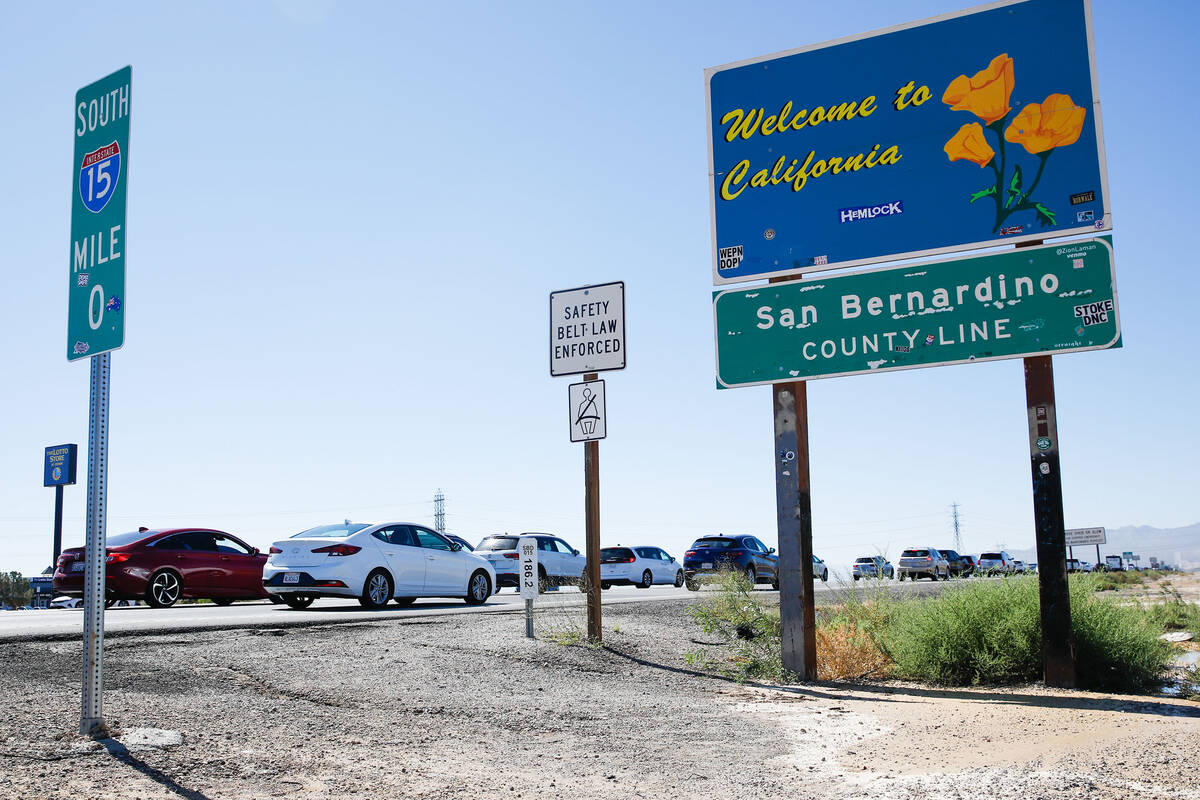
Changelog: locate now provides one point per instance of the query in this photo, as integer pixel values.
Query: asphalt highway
(67, 623)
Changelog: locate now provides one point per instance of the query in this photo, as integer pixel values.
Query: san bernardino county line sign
(960, 132)
(99, 178)
(1029, 301)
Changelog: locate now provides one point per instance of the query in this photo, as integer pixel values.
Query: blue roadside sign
(964, 131)
(60, 465)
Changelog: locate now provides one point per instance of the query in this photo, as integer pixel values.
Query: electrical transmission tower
(957, 531)
(439, 512)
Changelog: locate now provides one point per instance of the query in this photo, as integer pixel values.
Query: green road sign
(1029, 301)
(99, 177)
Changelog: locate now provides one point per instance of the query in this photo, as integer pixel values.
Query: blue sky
(344, 222)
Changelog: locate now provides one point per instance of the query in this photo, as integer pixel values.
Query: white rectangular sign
(1077, 537)
(528, 550)
(588, 420)
(587, 329)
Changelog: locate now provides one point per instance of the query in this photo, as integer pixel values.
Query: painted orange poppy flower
(986, 94)
(970, 145)
(1055, 122)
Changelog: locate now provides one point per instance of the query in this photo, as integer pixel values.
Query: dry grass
(847, 652)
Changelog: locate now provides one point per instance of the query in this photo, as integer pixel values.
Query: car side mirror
(576, 552)
(455, 546)
(254, 551)
(770, 550)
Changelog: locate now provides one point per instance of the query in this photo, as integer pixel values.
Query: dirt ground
(465, 706)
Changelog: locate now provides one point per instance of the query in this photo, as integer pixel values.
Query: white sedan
(638, 566)
(375, 563)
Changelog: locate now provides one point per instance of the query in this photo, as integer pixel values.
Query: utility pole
(957, 531)
(439, 512)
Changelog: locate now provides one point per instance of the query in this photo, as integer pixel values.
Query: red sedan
(162, 566)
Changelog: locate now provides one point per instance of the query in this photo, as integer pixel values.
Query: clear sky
(344, 221)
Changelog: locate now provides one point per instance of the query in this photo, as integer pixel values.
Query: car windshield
(720, 544)
(331, 531)
(915, 554)
(122, 539)
(991, 556)
(615, 555)
(498, 543)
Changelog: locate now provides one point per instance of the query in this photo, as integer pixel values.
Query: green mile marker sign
(1024, 302)
(99, 177)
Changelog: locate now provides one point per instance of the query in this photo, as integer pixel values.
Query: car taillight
(735, 552)
(274, 550)
(511, 555)
(629, 560)
(117, 558)
(928, 558)
(338, 549)
(689, 554)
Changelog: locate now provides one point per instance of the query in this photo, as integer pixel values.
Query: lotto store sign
(100, 175)
(959, 132)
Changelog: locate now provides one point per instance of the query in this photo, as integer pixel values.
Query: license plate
(706, 565)
(78, 566)
(291, 577)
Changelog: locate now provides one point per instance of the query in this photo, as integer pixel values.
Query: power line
(957, 531)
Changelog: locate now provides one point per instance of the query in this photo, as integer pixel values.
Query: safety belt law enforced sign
(99, 177)
(587, 329)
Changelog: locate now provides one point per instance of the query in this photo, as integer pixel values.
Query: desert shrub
(749, 627)
(990, 633)
(1173, 613)
(1116, 646)
(977, 632)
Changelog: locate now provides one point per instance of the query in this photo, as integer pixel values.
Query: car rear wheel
(647, 580)
(679, 579)
(298, 601)
(751, 577)
(543, 580)
(109, 603)
(164, 589)
(479, 588)
(377, 590)
(692, 586)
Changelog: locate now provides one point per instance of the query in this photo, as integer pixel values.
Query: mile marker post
(96, 304)
(527, 549)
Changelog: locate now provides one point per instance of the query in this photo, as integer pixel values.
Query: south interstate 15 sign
(99, 178)
(960, 132)
(1023, 302)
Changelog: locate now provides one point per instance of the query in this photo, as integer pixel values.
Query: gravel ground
(463, 706)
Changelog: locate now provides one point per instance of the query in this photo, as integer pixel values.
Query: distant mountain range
(1179, 547)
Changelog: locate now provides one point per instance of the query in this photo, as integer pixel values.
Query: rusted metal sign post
(587, 336)
(794, 511)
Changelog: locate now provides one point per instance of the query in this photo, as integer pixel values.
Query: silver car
(925, 562)
(997, 563)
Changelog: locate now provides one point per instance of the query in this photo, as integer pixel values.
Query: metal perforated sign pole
(793, 506)
(92, 719)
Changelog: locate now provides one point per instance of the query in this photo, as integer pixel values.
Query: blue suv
(709, 555)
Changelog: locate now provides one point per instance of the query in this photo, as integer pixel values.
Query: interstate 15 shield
(98, 176)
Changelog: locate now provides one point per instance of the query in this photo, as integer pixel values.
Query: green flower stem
(1043, 158)
(998, 127)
